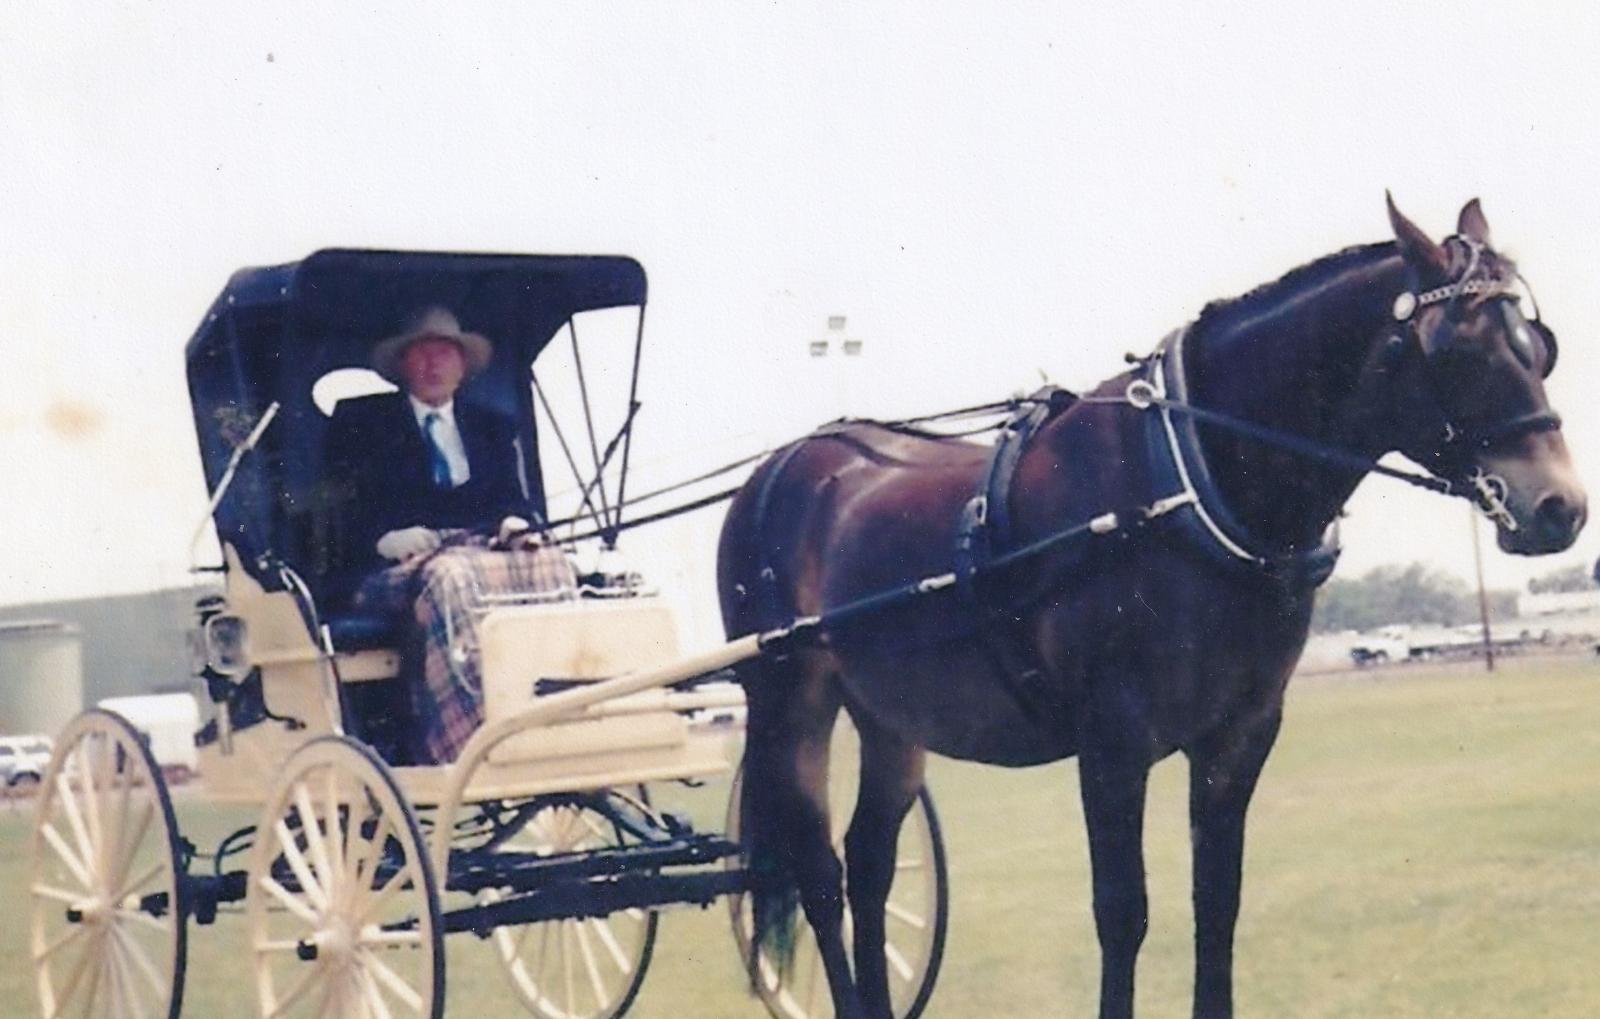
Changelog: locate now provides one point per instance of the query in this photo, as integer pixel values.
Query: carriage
(541, 839)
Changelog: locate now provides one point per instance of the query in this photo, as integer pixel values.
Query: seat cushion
(357, 631)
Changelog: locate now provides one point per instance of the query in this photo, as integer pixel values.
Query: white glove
(516, 532)
(407, 542)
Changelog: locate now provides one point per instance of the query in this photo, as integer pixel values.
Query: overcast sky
(989, 192)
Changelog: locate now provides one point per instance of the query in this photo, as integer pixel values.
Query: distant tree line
(1577, 577)
(1415, 593)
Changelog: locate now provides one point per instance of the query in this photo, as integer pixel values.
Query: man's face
(433, 370)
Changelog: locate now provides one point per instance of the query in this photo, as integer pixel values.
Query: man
(434, 519)
(419, 461)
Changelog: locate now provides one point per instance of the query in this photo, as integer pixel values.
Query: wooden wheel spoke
(139, 916)
(602, 931)
(338, 833)
(141, 961)
(122, 851)
(371, 853)
(58, 894)
(298, 989)
(898, 962)
(129, 850)
(62, 940)
(146, 876)
(374, 904)
(905, 916)
(373, 995)
(377, 937)
(91, 799)
(595, 828)
(66, 855)
(393, 981)
(74, 979)
(288, 899)
(69, 805)
(564, 953)
(297, 864)
(586, 951)
(316, 842)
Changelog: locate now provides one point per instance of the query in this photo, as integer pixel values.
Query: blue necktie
(438, 466)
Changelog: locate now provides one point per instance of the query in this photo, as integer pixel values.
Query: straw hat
(433, 323)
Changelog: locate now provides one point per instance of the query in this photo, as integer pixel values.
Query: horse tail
(774, 892)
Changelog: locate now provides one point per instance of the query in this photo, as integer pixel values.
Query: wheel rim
(342, 906)
(108, 933)
(588, 968)
(917, 909)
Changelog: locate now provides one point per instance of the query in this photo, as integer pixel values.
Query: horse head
(1469, 366)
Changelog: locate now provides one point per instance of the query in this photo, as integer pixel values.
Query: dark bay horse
(1175, 629)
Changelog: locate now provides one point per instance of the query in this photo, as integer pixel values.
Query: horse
(1202, 482)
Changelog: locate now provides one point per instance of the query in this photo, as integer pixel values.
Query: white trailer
(168, 722)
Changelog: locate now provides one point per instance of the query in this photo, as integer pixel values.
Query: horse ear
(1472, 224)
(1430, 260)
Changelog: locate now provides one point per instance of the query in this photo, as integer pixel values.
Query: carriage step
(575, 900)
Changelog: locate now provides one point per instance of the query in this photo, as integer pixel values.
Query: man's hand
(407, 542)
(517, 533)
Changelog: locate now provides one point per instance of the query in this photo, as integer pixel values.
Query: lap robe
(445, 592)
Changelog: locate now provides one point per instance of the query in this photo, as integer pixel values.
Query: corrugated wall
(132, 643)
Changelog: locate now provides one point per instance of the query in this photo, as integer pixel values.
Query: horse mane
(1218, 314)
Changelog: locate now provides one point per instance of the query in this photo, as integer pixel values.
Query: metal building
(41, 675)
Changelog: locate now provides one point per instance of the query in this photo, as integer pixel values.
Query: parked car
(1386, 644)
(23, 760)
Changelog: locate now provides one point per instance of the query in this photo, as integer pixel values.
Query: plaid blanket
(446, 592)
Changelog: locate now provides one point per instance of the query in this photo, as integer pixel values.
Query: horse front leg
(1223, 770)
(1113, 784)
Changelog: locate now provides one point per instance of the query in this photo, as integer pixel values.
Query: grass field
(1425, 843)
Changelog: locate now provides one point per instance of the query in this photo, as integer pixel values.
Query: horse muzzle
(1539, 518)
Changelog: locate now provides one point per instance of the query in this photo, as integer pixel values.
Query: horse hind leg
(891, 776)
(784, 817)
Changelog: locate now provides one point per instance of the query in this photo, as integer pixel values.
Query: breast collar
(1195, 505)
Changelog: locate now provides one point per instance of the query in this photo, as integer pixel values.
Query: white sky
(988, 191)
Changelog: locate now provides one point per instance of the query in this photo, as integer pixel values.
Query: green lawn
(1425, 843)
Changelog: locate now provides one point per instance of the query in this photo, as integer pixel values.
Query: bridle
(1455, 445)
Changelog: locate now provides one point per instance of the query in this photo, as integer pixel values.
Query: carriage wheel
(587, 968)
(342, 904)
(918, 908)
(109, 934)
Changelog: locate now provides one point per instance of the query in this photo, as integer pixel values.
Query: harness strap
(1178, 466)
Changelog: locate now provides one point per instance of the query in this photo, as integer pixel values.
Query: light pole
(1483, 595)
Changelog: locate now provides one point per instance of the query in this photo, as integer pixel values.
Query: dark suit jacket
(377, 462)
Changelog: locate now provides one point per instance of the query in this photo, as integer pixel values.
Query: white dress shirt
(447, 435)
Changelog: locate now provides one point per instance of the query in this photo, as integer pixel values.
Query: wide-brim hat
(433, 323)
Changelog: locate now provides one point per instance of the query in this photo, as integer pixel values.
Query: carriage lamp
(227, 644)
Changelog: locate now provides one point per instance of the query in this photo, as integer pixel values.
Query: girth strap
(985, 532)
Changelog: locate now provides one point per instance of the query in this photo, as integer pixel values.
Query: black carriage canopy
(275, 331)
